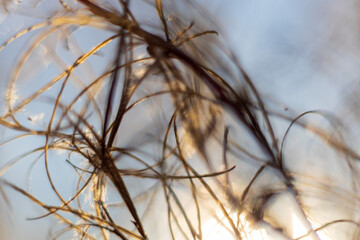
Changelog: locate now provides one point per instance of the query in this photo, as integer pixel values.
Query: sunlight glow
(298, 229)
(219, 228)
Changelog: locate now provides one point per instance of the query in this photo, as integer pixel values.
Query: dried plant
(163, 128)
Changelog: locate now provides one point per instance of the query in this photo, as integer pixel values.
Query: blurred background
(301, 55)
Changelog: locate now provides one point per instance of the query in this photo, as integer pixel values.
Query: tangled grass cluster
(163, 128)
